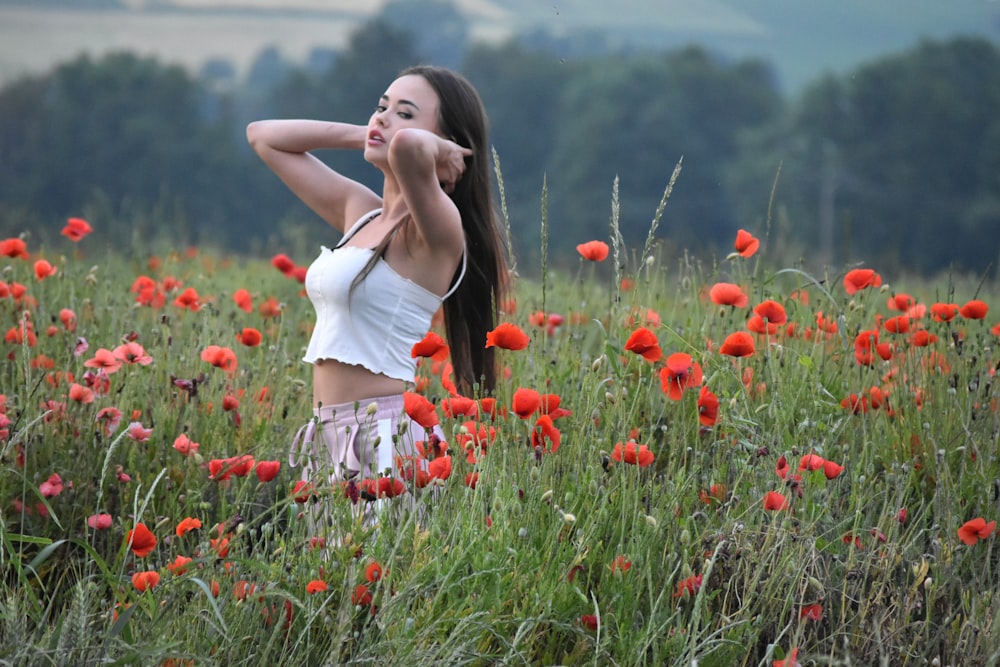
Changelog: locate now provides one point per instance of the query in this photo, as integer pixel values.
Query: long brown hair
(471, 311)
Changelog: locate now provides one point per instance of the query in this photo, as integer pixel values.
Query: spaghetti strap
(461, 275)
(356, 227)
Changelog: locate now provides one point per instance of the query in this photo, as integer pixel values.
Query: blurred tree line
(895, 164)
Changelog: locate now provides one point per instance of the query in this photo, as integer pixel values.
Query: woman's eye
(405, 115)
(379, 108)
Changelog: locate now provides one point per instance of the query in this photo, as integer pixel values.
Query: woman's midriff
(335, 382)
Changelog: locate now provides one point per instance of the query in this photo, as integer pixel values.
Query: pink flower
(51, 487)
(99, 521)
(132, 353)
(138, 432)
(104, 359)
(112, 417)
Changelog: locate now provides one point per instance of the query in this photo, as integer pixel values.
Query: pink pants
(366, 438)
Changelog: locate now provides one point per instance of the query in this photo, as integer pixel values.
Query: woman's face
(408, 102)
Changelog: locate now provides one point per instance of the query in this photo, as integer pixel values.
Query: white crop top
(376, 326)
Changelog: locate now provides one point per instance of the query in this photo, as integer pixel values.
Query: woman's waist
(336, 382)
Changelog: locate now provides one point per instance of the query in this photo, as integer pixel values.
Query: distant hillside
(801, 39)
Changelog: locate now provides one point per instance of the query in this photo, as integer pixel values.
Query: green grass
(485, 576)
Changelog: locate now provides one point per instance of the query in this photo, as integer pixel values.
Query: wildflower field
(723, 461)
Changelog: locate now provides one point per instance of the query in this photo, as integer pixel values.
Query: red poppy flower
(715, 493)
(644, 343)
(240, 466)
(432, 346)
(249, 336)
(178, 565)
(899, 324)
(80, 394)
(901, 302)
(781, 468)
(525, 402)
(185, 445)
(772, 311)
(589, 621)
(545, 431)
(859, 279)
(186, 525)
(141, 540)
(831, 469)
(373, 572)
(746, 243)
(759, 325)
(316, 586)
(270, 307)
(865, 346)
(774, 501)
(267, 470)
(922, 338)
(474, 439)
(189, 299)
(460, 406)
(243, 300)
(145, 581)
(43, 269)
(858, 404)
(791, 660)
(944, 312)
(14, 247)
(688, 586)
(283, 263)
(728, 294)
(633, 453)
(594, 251)
(810, 462)
(439, 468)
(738, 344)
(507, 336)
(811, 612)
(302, 491)
(76, 229)
(420, 410)
(220, 357)
(679, 373)
(974, 310)
(361, 596)
(975, 530)
(621, 563)
(708, 407)
(551, 406)
(382, 487)
(243, 589)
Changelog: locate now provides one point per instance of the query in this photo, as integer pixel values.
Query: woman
(431, 238)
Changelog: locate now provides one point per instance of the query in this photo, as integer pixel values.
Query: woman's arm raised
(284, 146)
(427, 167)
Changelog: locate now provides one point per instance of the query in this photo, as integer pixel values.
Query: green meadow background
(545, 545)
